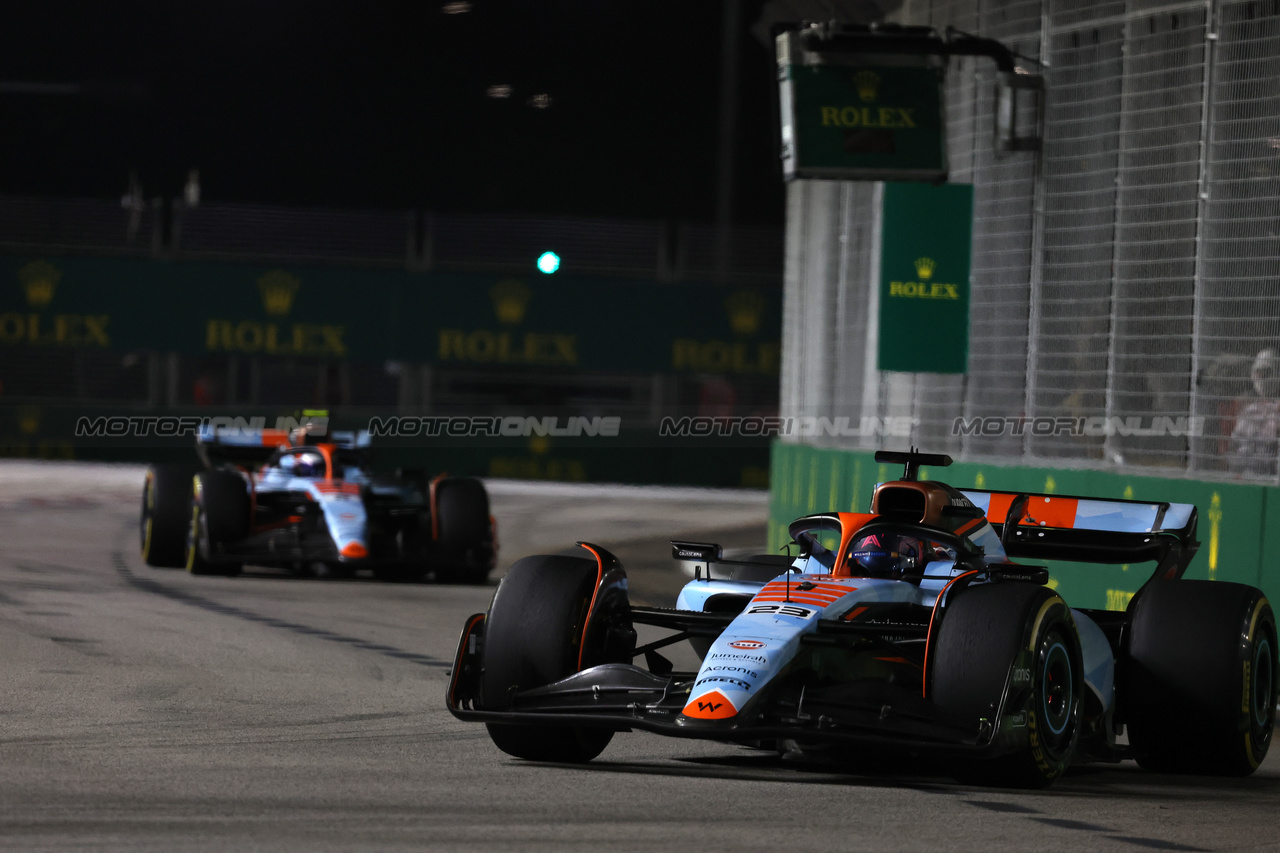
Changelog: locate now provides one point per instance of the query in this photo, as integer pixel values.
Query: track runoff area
(147, 709)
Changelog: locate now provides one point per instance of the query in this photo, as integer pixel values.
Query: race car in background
(273, 498)
(905, 631)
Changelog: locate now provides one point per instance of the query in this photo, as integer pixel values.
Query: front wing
(623, 697)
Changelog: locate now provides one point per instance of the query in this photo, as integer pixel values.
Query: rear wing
(1092, 530)
(255, 446)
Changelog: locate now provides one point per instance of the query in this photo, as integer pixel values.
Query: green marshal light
(548, 262)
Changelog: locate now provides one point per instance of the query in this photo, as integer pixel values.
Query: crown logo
(925, 267)
(39, 280)
(745, 309)
(277, 288)
(29, 419)
(868, 83)
(510, 298)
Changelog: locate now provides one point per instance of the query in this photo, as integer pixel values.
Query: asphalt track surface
(145, 709)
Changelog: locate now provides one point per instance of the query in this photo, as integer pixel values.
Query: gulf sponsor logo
(747, 645)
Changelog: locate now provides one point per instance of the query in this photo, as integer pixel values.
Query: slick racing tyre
(1022, 635)
(166, 514)
(1199, 687)
(533, 637)
(464, 530)
(219, 515)
(462, 506)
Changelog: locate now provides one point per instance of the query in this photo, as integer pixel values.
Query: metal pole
(728, 120)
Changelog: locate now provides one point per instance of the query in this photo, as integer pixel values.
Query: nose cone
(713, 705)
(354, 551)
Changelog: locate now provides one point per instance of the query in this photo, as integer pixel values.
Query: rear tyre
(219, 516)
(533, 636)
(988, 630)
(464, 530)
(166, 513)
(1200, 677)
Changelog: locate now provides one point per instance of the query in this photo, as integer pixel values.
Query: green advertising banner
(926, 238)
(473, 319)
(862, 123)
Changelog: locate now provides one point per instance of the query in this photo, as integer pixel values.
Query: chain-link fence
(1123, 288)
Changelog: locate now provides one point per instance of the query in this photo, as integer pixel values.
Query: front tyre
(1022, 636)
(219, 516)
(1200, 677)
(533, 637)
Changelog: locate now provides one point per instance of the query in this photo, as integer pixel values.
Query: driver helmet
(885, 555)
(308, 465)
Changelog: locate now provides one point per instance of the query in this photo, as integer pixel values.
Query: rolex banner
(200, 308)
(862, 123)
(924, 278)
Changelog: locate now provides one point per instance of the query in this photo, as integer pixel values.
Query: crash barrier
(1234, 518)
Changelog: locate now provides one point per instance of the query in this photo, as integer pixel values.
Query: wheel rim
(1263, 701)
(1057, 689)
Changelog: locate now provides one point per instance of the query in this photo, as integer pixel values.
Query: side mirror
(808, 543)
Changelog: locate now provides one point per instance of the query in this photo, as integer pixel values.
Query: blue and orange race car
(312, 504)
(905, 631)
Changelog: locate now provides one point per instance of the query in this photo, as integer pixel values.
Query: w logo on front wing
(710, 706)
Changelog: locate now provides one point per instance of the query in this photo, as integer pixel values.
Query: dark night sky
(383, 104)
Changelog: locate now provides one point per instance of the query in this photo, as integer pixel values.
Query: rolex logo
(745, 309)
(510, 298)
(925, 268)
(868, 83)
(277, 288)
(39, 280)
